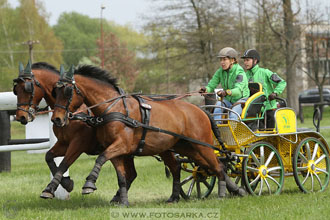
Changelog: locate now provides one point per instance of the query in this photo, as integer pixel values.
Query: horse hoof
(124, 204)
(86, 191)
(115, 200)
(67, 184)
(172, 200)
(46, 195)
(241, 192)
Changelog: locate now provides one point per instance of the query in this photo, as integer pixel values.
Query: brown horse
(30, 87)
(120, 129)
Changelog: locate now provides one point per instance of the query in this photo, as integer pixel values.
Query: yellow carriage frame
(304, 154)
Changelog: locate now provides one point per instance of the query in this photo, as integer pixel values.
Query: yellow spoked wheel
(311, 165)
(196, 182)
(263, 171)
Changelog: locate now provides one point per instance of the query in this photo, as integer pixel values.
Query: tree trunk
(290, 58)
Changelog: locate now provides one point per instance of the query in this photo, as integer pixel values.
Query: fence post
(5, 157)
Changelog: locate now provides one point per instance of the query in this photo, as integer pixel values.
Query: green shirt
(270, 81)
(234, 79)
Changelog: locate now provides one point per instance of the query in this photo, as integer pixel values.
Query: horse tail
(215, 129)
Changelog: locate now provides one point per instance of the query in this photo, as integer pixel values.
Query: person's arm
(278, 82)
(240, 84)
(214, 82)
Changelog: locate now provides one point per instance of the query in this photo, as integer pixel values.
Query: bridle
(28, 88)
(69, 86)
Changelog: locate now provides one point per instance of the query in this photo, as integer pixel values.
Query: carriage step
(239, 155)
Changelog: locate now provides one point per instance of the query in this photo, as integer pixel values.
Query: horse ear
(62, 72)
(28, 69)
(20, 69)
(70, 73)
(67, 75)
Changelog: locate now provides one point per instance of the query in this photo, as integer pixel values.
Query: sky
(120, 11)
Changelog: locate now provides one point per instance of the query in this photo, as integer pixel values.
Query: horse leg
(48, 192)
(122, 182)
(130, 176)
(89, 185)
(174, 166)
(56, 151)
(75, 149)
(213, 163)
(115, 150)
(224, 181)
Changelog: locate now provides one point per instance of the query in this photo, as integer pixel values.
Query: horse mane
(46, 66)
(96, 73)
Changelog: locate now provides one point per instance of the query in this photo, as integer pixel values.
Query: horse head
(28, 97)
(66, 101)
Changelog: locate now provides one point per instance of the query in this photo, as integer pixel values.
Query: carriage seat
(254, 104)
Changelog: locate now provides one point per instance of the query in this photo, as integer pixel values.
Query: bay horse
(37, 82)
(120, 128)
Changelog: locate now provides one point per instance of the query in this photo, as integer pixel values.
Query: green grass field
(20, 190)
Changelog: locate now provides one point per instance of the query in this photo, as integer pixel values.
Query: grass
(17, 130)
(20, 190)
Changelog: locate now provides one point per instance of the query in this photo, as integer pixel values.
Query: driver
(272, 84)
(233, 80)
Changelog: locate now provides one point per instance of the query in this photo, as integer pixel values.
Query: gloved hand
(222, 93)
(272, 96)
(228, 92)
(202, 90)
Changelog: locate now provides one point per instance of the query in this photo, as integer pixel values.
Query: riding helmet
(228, 52)
(251, 53)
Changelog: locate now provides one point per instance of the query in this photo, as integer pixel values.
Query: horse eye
(28, 87)
(54, 92)
(14, 90)
(68, 92)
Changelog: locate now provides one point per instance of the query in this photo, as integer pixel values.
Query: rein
(176, 97)
(98, 104)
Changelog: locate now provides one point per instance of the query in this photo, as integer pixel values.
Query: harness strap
(122, 93)
(145, 118)
(117, 116)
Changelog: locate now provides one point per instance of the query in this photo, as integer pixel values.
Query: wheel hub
(263, 171)
(311, 166)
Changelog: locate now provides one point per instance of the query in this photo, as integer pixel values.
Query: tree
(185, 36)
(289, 34)
(79, 34)
(119, 61)
(316, 36)
(26, 22)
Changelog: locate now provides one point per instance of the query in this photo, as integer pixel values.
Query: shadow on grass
(39, 204)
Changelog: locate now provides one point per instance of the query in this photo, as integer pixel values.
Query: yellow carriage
(265, 148)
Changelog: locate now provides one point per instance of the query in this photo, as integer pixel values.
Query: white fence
(41, 127)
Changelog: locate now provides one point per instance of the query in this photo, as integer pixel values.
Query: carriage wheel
(311, 165)
(263, 171)
(196, 182)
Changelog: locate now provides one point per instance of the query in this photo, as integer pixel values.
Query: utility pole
(167, 72)
(30, 43)
(102, 45)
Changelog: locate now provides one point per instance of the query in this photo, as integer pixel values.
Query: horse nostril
(57, 121)
(23, 120)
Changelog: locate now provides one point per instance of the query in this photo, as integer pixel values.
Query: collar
(254, 69)
(232, 69)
